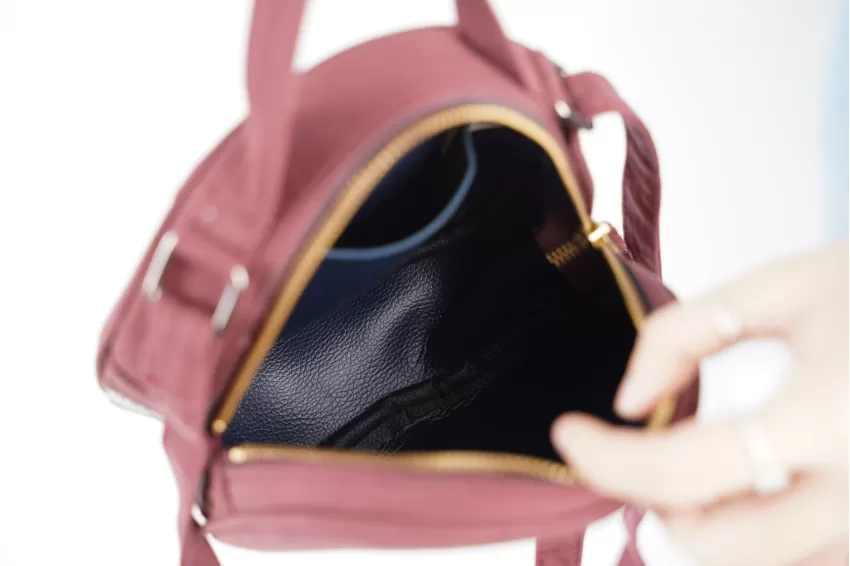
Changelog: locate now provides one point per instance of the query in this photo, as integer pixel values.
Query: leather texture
(270, 181)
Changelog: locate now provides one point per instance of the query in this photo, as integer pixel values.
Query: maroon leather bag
(371, 299)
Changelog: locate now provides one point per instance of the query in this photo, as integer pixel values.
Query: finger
(683, 466)
(775, 531)
(693, 463)
(806, 423)
(835, 555)
(676, 338)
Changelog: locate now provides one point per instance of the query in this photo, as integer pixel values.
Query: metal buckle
(229, 297)
(239, 281)
(161, 255)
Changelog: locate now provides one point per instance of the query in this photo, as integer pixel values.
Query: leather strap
(568, 551)
(560, 552)
(632, 516)
(587, 95)
(591, 95)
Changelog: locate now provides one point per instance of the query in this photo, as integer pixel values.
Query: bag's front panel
(274, 502)
(280, 505)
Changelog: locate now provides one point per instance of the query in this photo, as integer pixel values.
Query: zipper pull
(570, 119)
(600, 235)
(604, 235)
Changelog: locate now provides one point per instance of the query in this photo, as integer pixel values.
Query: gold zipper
(461, 462)
(569, 250)
(340, 213)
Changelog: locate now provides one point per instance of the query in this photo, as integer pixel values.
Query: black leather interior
(469, 340)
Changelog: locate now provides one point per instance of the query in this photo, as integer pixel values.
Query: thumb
(671, 468)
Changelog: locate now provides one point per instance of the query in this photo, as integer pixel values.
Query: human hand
(700, 477)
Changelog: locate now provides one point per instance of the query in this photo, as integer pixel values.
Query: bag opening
(436, 321)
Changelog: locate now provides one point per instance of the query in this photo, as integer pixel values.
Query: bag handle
(273, 87)
(568, 551)
(632, 516)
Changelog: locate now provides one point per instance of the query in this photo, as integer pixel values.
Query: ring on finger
(729, 326)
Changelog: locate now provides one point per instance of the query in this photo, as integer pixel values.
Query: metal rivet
(198, 515)
(563, 109)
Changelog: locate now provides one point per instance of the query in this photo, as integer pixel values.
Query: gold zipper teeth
(568, 251)
(461, 462)
(351, 196)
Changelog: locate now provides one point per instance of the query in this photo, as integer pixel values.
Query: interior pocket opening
(436, 322)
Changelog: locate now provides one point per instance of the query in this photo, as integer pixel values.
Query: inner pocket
(437, 323)
(417, 198)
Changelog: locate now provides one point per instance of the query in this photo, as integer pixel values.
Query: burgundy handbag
(371, 300)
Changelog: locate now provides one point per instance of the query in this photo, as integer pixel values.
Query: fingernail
(562, 430)
(630, 397)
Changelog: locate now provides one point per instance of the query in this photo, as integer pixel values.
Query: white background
(105, 106)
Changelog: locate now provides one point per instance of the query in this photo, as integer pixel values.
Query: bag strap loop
(568, 551)
(592, 95)
(576, 100)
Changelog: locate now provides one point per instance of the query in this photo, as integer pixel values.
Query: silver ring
(769, 475)
(728, 326)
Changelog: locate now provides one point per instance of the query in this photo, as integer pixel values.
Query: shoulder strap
(568, 551)
(590, 95)
(560, 552)
(632, 516)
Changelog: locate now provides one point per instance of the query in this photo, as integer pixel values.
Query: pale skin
(698, 476)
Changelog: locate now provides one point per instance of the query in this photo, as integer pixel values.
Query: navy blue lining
(420, 237)
(347, 272)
